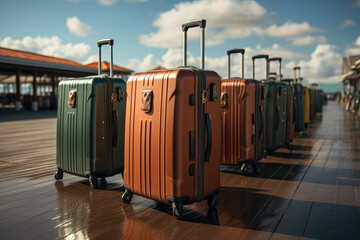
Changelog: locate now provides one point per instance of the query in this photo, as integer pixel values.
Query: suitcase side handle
(236, 50)
(106, 42)
(195, 23)
(278, 59)
(295, 78)
(209, 137)
(266, 62)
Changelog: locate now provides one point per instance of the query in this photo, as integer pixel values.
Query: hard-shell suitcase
(312, 104)
(90, 125)
(271, 110)
(173, 134)
(281, 97)
(306, 100)
(242, 113)
(298, 103)
(290, 120)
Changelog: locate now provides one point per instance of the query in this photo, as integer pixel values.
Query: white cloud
(324, 65)
(49, 46)
(354, 48)
(107, 2)
(91, 59)
(347, 23)
(149, 62)
(357, 3)
(133, 1)
(225, 19)
(77, 27)
(358, 41)
(174, 58)
(288, 29)
(309, 40)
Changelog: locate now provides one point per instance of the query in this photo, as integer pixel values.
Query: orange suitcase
(172, 134)
(242, 107)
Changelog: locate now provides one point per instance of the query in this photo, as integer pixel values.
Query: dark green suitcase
(270, 112)
(298, 103)
(90, 125)
(281, 99)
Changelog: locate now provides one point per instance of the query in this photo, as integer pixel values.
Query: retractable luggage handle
(105, 42)
(195, 23)
(266, 62)
(279, 61)
(236, 50)
(296, 79)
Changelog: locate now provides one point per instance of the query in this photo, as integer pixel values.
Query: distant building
(158, 68)
(26, 77)
(118, 71)
(351, 75)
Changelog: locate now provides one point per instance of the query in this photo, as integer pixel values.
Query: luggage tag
(72, 97)
(147, 98)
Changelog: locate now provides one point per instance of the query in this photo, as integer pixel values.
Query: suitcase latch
(72, 97)
(113, 97)
(147, 97)
(223, 99)
(120, 94)
(204, 98)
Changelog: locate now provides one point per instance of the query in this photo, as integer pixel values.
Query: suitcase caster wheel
(103, 182)
(213, 216)
(58, 174)
(212, 200)
(127, 196)
(177, 209)
(93, 181)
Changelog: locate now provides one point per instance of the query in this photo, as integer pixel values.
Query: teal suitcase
(298, 104)
(270, 112)
(90, 125)
(281, 108)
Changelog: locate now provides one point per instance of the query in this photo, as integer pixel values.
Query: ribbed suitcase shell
(242, 120)
(306, 100)
(158, 145)
(271, 115)
(299, 107)
(290, 123)
(312, 104)
(85, 132)
(281, 97)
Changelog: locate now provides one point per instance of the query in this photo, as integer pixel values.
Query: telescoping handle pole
(278, 59)
(266, 62)
(105, 42)
(236, 50)
(195, 23)
(295, 78)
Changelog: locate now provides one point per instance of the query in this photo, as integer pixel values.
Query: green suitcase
(90, 125)
(271, 110)
(298, 103)
(281, 108)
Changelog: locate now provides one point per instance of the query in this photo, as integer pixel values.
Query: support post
(34, 104)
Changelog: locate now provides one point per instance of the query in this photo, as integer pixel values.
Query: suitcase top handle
(105, 42)
(278, 59)
(195, 23)
(296, 80)
(266, 62)
(236, 50)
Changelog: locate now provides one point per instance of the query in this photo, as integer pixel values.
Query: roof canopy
(11, 61)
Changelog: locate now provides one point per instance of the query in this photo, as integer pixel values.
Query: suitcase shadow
(300, 147)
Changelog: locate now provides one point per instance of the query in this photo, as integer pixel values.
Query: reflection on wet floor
(312, 191)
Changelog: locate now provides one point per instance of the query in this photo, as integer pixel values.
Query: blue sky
(313, 34)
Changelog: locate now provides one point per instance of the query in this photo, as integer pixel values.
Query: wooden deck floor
(312, 192)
